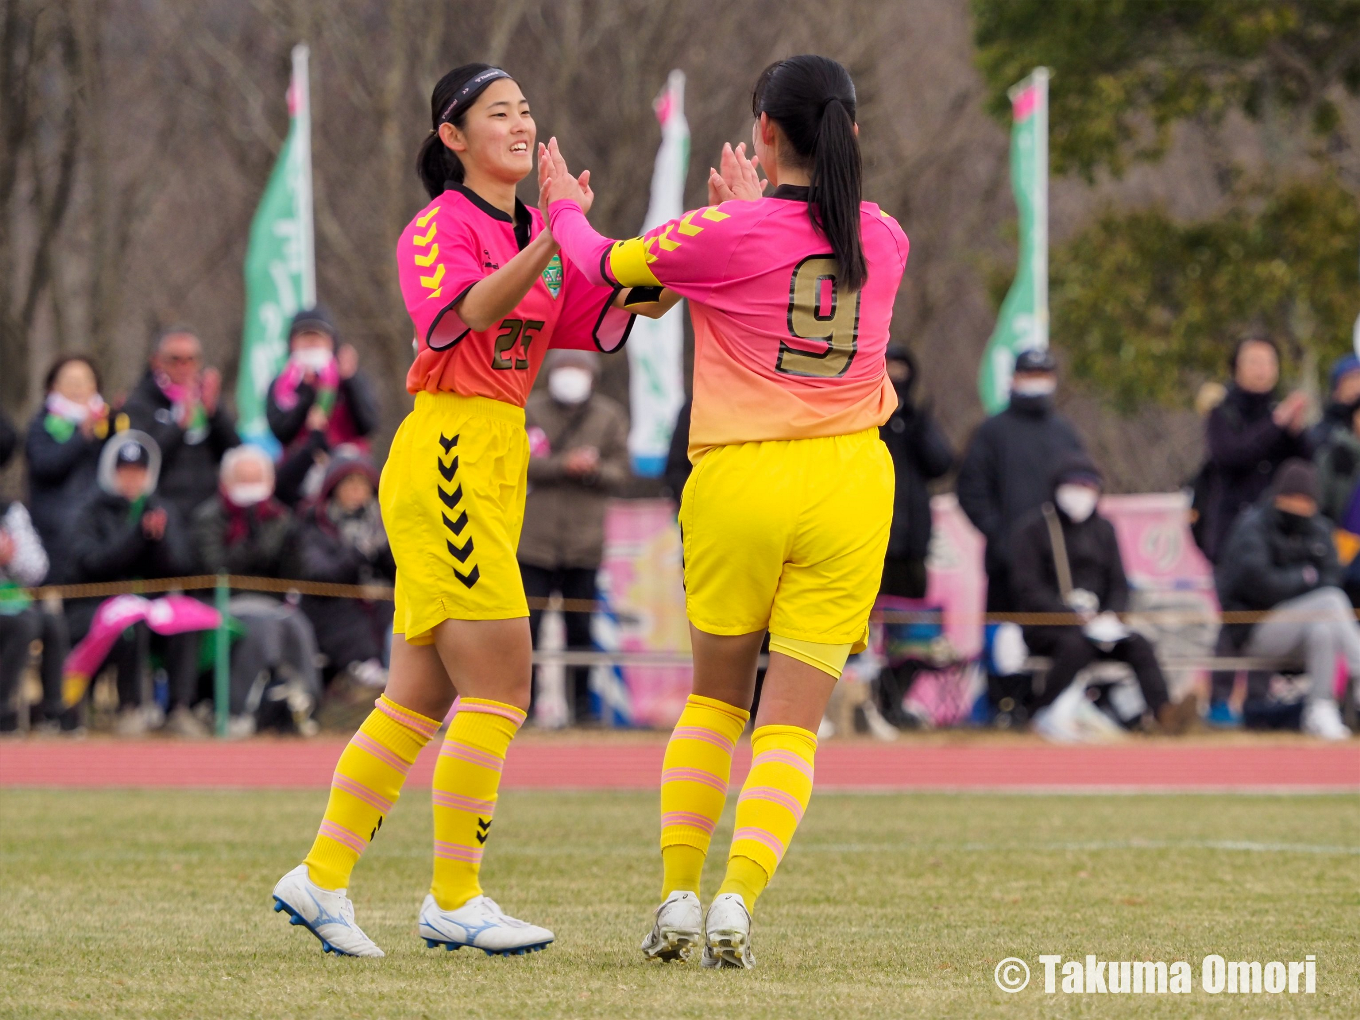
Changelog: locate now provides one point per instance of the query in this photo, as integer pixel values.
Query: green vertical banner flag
(1022, 322)
(280, 265)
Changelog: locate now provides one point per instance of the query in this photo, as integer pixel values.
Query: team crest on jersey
(552, 276)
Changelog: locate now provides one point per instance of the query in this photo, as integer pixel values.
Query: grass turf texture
(156, 904)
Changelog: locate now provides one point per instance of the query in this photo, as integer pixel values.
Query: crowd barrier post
(222, 659)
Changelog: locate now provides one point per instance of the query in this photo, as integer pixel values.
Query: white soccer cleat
(481, 924)
(326, 913)
(678, 929)
(1321, 718)
(727, 934)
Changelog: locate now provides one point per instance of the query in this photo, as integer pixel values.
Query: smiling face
(497, 137)
(75, 382)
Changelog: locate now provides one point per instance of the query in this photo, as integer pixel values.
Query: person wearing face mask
(319, 401)
(1342, 400)
(920, 453)
(126, 531)
(178, 404)
(1280, 557)
(62, 450)
(245, 530)
(578, 445)
(1065, 559)
(1005, 477)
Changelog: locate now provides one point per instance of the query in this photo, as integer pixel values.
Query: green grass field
(156, 904)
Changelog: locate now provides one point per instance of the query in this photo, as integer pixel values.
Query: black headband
(472, 89)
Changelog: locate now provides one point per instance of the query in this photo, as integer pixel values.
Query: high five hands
(738, 179)
(556, 182)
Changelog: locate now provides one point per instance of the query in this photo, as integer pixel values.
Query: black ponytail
(812, 99)
(436, 163)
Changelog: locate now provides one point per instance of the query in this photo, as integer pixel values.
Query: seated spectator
(318, 402)
(1338, 471)
(178, 404)
(244, 530)
(1280, 557)
(22, 565)
(62, 447)
(126, 531)
(341, 540)
(578, 442)
(1065, 558)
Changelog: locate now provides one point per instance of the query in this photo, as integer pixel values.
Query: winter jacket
(678, 467)
(920, 453)
(9, 439)
(354, 416)
(1264, 558)
(1092, 555)
(1338, 467)
(1007, 470)
(250, 541)
(189, 467)
(347, 630)
(564, 516)
(61, 477)
(1245, 448)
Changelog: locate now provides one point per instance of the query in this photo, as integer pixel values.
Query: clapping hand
(738, 179)
(153, 524)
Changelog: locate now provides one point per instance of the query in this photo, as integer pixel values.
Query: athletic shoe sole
(674, 944)
(728, 950)
(537, 947)
(295, 918)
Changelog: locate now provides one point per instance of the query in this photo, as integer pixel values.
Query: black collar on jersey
(471, 90)
(794, 192)
(522, 220)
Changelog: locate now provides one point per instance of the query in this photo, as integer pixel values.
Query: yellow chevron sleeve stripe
(628, 264)
(422, 220)
(421, 242)
(433, 281)
(427, 259)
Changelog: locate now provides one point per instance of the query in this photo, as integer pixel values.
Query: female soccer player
(786, 515)
(488, 294)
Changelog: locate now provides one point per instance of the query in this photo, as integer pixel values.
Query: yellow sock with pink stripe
(771, 805)
(466, 779)
(694, 778)
(367, 781)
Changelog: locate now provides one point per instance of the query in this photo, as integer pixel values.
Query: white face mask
(1077, 501)
(314, 358)
(570, 385)
(249, 494)
(1034, 387)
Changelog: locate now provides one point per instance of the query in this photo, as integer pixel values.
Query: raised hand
(738, 178)
(560, 183)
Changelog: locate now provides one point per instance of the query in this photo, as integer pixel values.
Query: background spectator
(62, 448)
(920, 452)
(678, 467)
(1065, 558)
(177, 404)
(126, 531)
(1342, 400)
(341, 540)
(1005, 477)
(578, 441)
(1280, 557)
(9, 438)
(22, 564)
(245, 530)
(318, 402)
(1249, 435)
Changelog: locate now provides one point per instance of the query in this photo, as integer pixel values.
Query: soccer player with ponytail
(785, 517)
(488, 294)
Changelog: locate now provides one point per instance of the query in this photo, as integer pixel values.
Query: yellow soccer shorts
(452, 495)
(788, 535)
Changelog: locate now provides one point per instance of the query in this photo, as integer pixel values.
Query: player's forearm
(497, 295)
(634, 299)
(580, 242)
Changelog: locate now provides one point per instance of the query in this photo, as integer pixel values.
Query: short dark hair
(60, 363)
(1251, 338)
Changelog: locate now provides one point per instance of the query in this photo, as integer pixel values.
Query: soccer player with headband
(489, 295)
(785, 517)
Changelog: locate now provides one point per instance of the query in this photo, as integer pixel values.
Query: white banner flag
(656, 347)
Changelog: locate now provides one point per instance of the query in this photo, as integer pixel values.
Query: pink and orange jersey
(780, 351)
(456, 241)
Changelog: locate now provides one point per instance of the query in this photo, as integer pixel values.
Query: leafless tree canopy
(138, 135)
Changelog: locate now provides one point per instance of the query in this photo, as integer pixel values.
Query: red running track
(613, 764)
